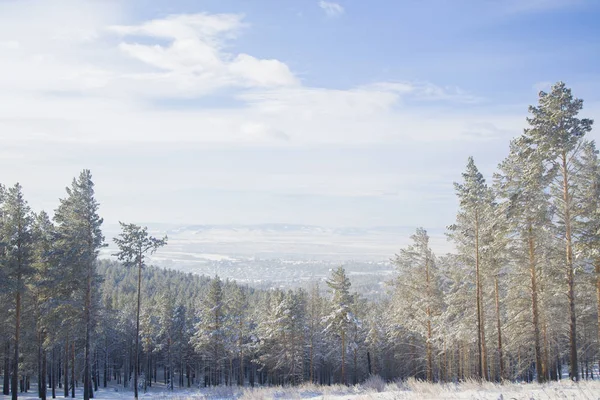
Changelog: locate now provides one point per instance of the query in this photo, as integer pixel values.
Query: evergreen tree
(588, 228)
(134, 243)
(239, 327)
(282, 338)
(4, 297)
(527, 212)
(556, 135)
(17, 241)
(42, 291)
(417, 296)
(472, 234)
(80, 238)
(209, 336)
(341, 318)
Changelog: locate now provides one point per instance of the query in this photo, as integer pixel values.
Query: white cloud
(84, 83)
(331, 9)
(194, 57)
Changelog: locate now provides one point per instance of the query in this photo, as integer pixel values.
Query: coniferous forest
(519, 299)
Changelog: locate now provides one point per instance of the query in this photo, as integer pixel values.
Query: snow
(411, 389)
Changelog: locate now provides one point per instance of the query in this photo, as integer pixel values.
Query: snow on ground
(408, 390)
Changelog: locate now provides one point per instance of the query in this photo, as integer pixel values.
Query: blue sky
(345, 113)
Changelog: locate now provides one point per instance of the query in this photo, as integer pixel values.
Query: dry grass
(376, 389)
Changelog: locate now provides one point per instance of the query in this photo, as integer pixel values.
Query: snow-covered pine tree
(281, 336)
(473, 234)
(588, 227)
(80, 239)
(556, 135)
(209, 336)
(42, 292)
(134, 244)
(239, 326)
(527, 213)
(16, 236)
(340, 319)
(314, 327)
(166, 309)
(418, 301)
(5, 332)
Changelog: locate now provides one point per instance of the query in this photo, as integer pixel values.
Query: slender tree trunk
(240, 344)
(499, 326)
(53, 372)
(483, 370)
(73, 370)
(574, 373)
(15, 376)
(105, 371)
(534, 307)
(355, 381)
(39, 360)
(42, 384)
(546, 359)
(6, 383)
(66, 365)
(429, 329)
(87, 346)
(597, 264)
(343, 357)
(137, 331)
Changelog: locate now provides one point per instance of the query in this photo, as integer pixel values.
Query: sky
(346, 113)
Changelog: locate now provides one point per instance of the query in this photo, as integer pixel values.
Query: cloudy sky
(346, 113)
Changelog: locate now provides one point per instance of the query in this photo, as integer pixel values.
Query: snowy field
(408, 390)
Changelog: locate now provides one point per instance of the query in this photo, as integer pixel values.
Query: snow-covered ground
(408, 390)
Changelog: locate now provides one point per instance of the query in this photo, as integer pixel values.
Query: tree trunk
(534, 307)
(72, 370)
(15, 376)
(429, 330)
(499, 326)
(598, 302)
(66, 364)
(546, 362)
(53, 372)
(42, 384)
(483, 370)
(573, 373)
(137, 332)
(6, 383)
(87, 345)
(343, 358)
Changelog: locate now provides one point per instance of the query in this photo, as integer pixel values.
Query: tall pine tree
(556, 135)
(80, 239)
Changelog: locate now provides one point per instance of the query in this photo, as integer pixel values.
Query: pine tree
(282, 338)
(42, 290)
(472, 234)
(4, 297)
(314, 323)
(556, 135)
(527, 212)
(417, 296)
(209, 336)
(588, 228)
(341, 318)
(134, 243)
(239, 325)
(17, 241)
(80, 238)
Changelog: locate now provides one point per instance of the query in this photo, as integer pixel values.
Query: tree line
(519, 298)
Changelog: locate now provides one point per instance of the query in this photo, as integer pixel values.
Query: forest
(518, 299)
